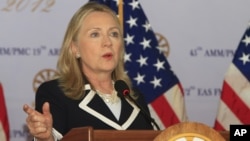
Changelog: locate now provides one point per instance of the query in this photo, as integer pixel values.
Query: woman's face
(99, 43)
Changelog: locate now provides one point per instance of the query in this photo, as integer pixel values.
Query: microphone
(123, 91)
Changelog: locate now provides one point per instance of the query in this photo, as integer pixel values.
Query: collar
(91, 95)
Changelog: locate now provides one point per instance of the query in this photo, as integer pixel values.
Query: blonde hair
(71, 78)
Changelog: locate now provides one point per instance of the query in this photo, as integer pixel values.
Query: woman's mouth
(108, 55)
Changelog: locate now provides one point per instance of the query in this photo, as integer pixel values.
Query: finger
(39, 124)
(46, 109)
(36, 117)
(27, 109)
(33, 115)
(36, 127)
(47, 115)
(38, 130)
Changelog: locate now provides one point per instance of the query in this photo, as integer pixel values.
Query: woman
(90, 61)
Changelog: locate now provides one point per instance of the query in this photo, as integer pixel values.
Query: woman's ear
(75, 50)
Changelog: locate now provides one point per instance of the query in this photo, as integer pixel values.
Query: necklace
(108, 98)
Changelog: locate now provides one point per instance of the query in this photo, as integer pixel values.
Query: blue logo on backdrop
(29, 51)
(195, 91)
(200, 51)
(21, 133)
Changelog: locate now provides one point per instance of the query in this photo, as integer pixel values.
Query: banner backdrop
(200, 38)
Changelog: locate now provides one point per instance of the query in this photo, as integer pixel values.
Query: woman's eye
(115, 34)
(94, 34)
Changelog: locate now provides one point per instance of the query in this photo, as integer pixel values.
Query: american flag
(234, 105)
(4, 124)
(147, 66)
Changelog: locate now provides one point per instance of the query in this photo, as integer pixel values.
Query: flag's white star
(147, 26)
(156, 82)
(142, 61)
(159, 65)
(127, 57)
(145, 43)
(246, 40)
(116, 1)
(134, 4)
(245, 58)
(132, 22)
(139, 78)
(129, 39)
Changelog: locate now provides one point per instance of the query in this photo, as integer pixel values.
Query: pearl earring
(78, 55)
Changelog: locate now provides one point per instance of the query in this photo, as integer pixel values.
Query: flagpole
(120, 12)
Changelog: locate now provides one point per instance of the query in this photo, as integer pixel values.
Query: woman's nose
(107, 40)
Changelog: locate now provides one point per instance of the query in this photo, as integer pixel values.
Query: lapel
(95, 106)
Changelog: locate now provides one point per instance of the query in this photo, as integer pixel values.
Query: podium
(89, 134)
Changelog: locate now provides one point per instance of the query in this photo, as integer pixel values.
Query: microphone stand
(143, 111)
(123, 91)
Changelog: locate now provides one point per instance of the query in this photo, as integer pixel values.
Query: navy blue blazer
(89, 111)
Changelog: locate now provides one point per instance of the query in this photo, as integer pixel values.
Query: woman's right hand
(39, 124)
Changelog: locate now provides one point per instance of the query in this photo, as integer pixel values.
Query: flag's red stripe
(164, 111)
(3, 115)
(217, 126)
(234, 102)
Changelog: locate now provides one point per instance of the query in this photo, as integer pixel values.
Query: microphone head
(122, 88)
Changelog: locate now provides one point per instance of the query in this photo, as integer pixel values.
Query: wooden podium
(89, 134)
